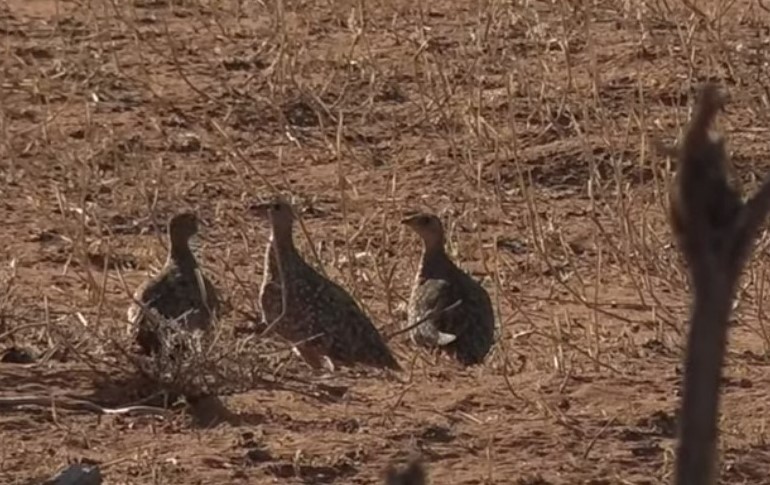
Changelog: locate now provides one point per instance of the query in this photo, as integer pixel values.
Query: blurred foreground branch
(715, 231)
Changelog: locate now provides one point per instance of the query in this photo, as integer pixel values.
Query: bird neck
(281, 241)
(181, 254)
(435, 262)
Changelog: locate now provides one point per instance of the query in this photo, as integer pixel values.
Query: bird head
(278, 211)
(428, 227)
(183, 226)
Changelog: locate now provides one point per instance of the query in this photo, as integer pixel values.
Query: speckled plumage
(174, 294)
(465, 331)
(315, 305)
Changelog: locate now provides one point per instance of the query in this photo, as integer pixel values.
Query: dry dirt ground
(530, 126)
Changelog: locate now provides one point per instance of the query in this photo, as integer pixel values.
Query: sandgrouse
(319, 317)
(180, 297)
(465, 329)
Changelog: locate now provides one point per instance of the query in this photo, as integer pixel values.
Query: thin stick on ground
(431, 314)
(78, 404)
(715, 231)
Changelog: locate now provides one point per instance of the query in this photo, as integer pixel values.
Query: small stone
(413, 473)
(186, 143)
(16, 355)
(78, 474)
(258, 455)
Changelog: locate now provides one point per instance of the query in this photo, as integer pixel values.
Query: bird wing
(433, 299)
(209, 292)
(154, 294)
(354, 335)
(135, 311)
(480, 300)
(475, 321)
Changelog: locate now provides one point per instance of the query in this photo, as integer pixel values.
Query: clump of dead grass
(494, 128)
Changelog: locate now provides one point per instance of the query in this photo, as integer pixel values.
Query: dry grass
(529, 127)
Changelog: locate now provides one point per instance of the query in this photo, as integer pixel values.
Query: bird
(179, 297)
(320, 318)
(447, 309)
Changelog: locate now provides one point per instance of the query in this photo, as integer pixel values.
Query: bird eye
(277, 207)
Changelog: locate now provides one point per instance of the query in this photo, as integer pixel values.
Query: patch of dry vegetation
(528, 126)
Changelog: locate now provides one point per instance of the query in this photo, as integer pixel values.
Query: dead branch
(431, 314)
(715, 231)
(77, 405)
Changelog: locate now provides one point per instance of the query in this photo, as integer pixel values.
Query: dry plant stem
(716, 250)
(78, 404)
(428, 316)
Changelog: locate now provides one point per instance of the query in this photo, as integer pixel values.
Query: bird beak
(408, 221)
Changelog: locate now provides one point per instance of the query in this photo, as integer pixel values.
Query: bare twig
(431, 314)
(78, 404)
